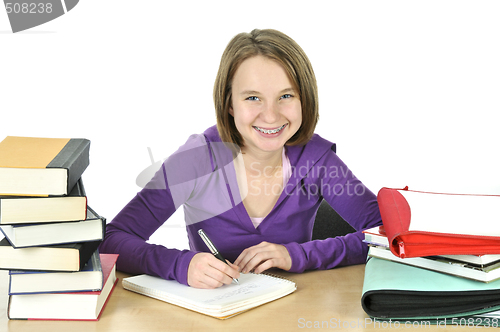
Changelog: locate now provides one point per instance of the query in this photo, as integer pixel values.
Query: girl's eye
(286, 96)
(253, 98)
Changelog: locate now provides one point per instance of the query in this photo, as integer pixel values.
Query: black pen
(213, 249)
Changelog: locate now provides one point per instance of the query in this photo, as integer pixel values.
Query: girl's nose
(270, 113)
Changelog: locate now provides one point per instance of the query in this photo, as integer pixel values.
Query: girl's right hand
(206, 271)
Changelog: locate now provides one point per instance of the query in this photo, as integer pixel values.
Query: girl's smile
(269, 132)
(266, 108)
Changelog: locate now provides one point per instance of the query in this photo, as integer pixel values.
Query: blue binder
(398, 291)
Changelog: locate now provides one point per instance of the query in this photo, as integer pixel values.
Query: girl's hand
(206, 271)
(264, 256)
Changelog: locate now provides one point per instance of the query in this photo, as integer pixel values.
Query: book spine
(79, 190)
(86, 250)
(8, 310)
(97, 216)
(74, 157)
(5, 235)
(10, 282)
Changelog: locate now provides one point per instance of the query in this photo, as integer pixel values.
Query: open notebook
(222, 302)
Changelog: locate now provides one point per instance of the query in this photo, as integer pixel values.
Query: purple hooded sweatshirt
(201, 177)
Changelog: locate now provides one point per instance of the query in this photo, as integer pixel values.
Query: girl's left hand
(264, 256)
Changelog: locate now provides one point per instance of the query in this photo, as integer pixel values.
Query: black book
(64, 257)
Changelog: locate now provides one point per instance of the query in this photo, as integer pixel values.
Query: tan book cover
(31, 166)
(29, 152)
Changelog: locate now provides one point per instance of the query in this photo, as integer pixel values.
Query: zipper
(401, 249)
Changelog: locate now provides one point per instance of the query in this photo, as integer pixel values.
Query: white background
(409, 90)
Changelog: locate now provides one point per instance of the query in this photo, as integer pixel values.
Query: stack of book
(435, 259)
(51, 235)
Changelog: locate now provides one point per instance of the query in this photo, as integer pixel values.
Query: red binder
(426, 224)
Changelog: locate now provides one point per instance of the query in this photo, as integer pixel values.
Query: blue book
(90, 278)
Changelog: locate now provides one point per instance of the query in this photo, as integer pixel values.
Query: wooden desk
(331, 298)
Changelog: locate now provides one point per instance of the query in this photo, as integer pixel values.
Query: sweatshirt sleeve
(352, 201)
(128, 232)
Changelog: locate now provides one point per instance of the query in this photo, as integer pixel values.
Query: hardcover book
(66, 306)
(32, 282)
(23, 236)
(41, 166)
(27, 210)
(64, 257)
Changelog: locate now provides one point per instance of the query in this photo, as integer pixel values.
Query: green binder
(398, 291)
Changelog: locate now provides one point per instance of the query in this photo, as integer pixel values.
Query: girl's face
(266, 109)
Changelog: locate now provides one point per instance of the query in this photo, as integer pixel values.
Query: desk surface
(324, 299)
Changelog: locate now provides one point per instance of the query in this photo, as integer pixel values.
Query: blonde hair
(277, 46)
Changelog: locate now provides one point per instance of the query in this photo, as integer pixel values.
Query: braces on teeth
(274, 131)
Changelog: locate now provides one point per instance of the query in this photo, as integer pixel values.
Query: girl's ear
(231, 111)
